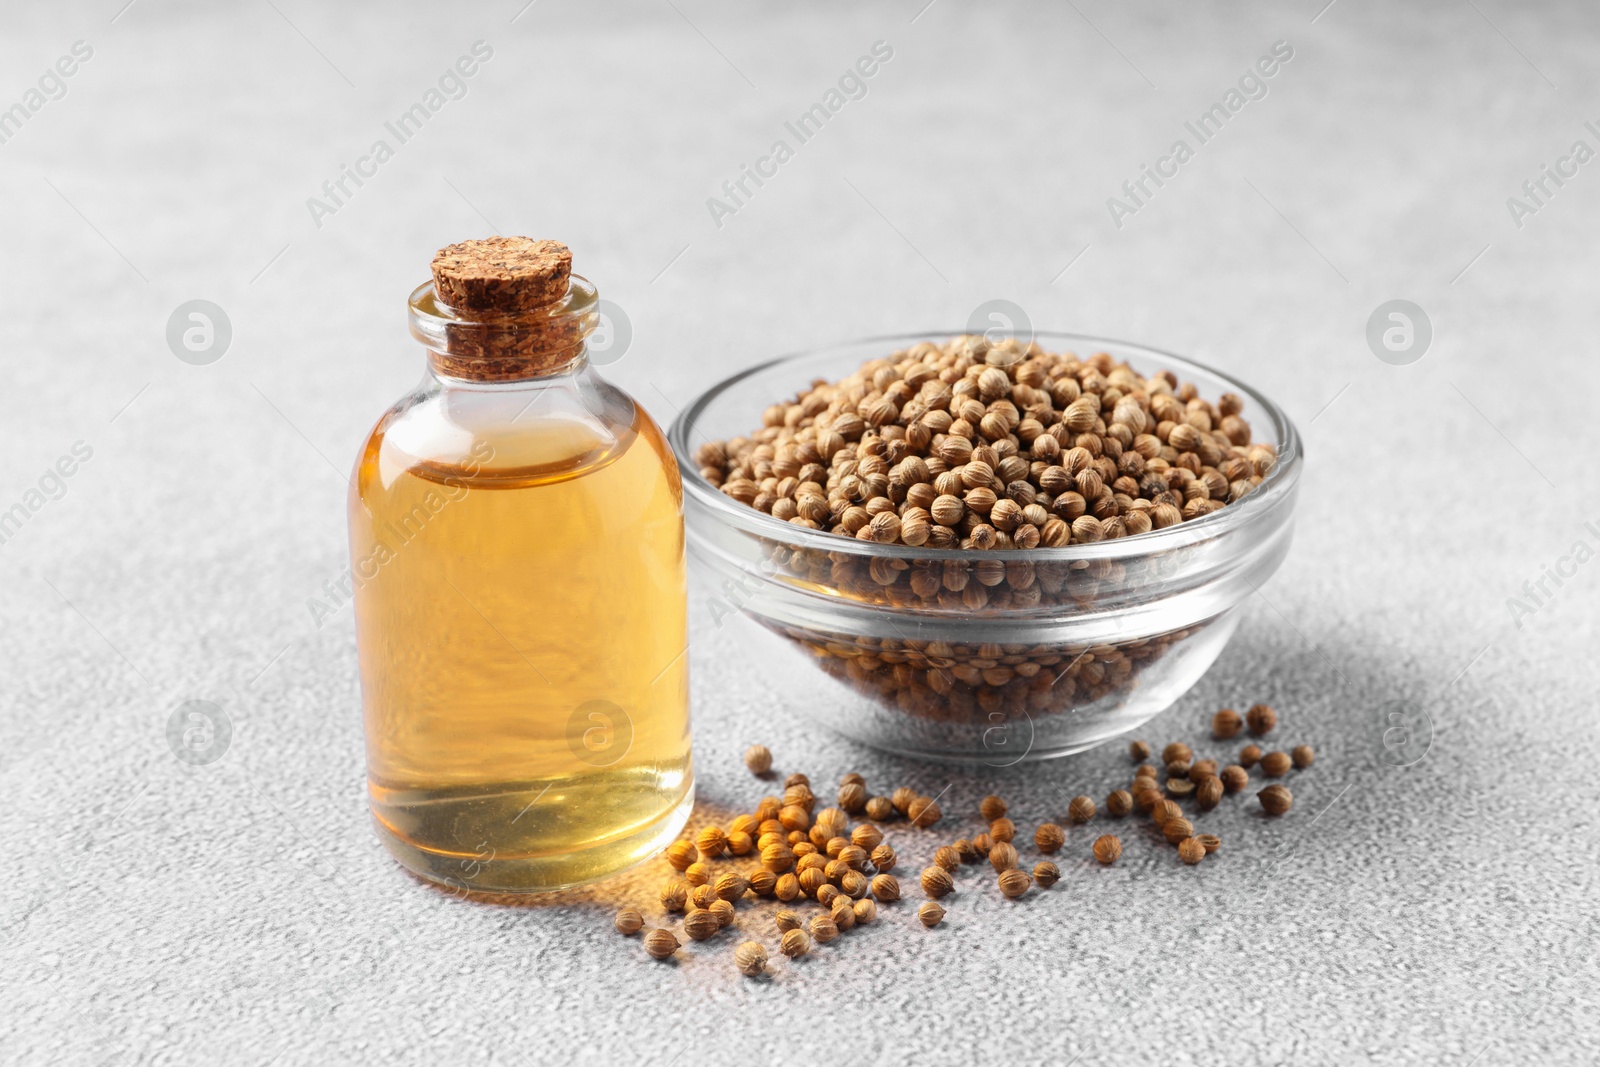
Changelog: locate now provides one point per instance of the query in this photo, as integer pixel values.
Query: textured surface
(242, 911)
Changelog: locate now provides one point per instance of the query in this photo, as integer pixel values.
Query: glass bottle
(516, 536)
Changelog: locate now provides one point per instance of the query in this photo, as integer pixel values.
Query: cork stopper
(504, 308)
(501, 275)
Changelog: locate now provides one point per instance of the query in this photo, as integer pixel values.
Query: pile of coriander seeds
(830, 871)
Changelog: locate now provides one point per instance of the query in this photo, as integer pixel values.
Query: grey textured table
(242, 911)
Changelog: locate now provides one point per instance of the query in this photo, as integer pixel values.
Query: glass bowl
(967, 656)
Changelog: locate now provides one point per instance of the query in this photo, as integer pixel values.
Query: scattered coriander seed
(811, 881)
(1202, 767)
(832, 822)
(700, 924)
(660, 944)
(823, 929)
(936, 882)
(788, 920)
(768, 808)
(777, 858)
(1046, 874)
(702, 896)
(794, 944)
(843, 913)
(854, 884)
(1014, 882)
(1145, 770)
(982, 843)
(901, 798)
(866, 836)
(1148, 798)
(1049, 837)
(991, 808)
(799, 795)
(854, 857)
(731, 886)
(723, 910)
(1226, 724)
(1108, 849)
(751, 959)
(1249, 756)
(1261, 720)
(697, 873)
(744, 824)
(1303, 756)
(1276, 764)
(1175, 830)
(758, 758)
(1002, 857)
(762, 882)
(1209, 793)
(966, 850)
(924, 812)
(1234, 778)
(770, 838)
(886, 887)
(787, 888)
(931, 914)
(1276, 799)
(835, 870)
(947, 857)
(880, 809)
(1178, 768)
(1139, 750)
(674, 894)
(794, 817)
(796, 779)
(1176, 752)
(866, 911)
(853, 797)
(827, 894)
(1164, 812)
(1119, 802)
(1210, 842)
(711, 842)
(1081, 810)
(1191, 851)
(739, 843)
(883, 858)
(680, 854)
(802, 849)
(628, 922)
(1179, 787)
(1002, 829)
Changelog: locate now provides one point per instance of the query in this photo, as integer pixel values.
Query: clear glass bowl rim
(1279, 482)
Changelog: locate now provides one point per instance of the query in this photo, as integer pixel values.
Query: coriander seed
(751, 959)
(1234, 778)
(700, 924)
(924, 812)
(811, 881)
(936, 882)
(1139, 750)
(866, 911)
(852, 779)
(1179, 787)
(730, 886)
(853, 797)
(786, 888)
(1164, 812)
(711, 842)
(1002, 857)
(843, 914)
(1108, 849)
(1175, 830)
(1191, 851)
(697, 873)
(1002, 829)
(1046, 874)
(1209, 793)
(702, 896)
(680, 854)
(1276, 764)
(832, 822)
(947, 857)
(744, 824)
(1081, 809)
(1178, 769)
(787, 920)
(758, 758)
(931, 914)
(824, 929)
(901, 799)
(1202, 767)
(1303, 756)
(880, 809)
(883, 858)
(1145, 770)
(991, 808)
(796, 779)
(854, 884)
(1211, 842)
(1261, 720)
(674, 894)
(886, 887)
(794, 817)
(767, 810)
(854, 857)
(739, 843)
(867, 836)
(1226, 724)
(982, 844)
(794, 944)
(1049, 837)
(966, 850)
(777, 858)
(763, 882)
(628, 922)
(1177, 752)
(660, 944)
(1014, 882)
(1249, 756)
(1276, 799)
(723, 910)
(827, 894)
(1119, 802)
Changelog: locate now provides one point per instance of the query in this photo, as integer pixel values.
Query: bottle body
(521, 619)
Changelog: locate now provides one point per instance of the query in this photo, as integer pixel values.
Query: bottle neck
(543, 342)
